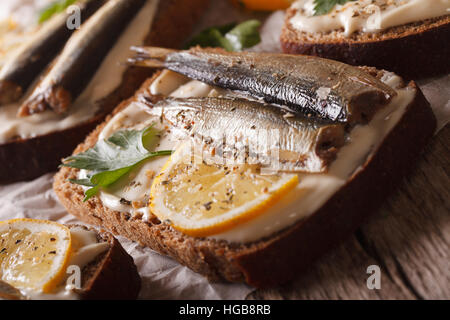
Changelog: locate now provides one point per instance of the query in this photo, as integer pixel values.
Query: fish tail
(34, 104)
(331, 138)
(57, 98)
(153, 57)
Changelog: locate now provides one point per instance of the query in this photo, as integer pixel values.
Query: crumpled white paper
(162, 277)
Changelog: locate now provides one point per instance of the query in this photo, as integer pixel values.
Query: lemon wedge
(33, 253)
(202, 199)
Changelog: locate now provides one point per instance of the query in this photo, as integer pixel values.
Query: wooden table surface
(409, 238)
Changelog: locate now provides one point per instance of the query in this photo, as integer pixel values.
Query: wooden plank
(341, 274)
(412, 232)
(408, 239)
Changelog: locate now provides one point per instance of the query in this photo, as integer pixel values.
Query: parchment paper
(162, 277)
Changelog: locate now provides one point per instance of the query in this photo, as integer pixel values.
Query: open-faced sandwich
(408, 37)
(41, 260)
(246, 167)
(62, 70)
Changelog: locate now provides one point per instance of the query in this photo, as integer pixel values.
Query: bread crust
(278, 258)
(112, 275)
(26, 159)
(416, 50)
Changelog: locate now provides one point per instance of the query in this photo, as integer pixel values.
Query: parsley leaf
(245, 35)
(83, 182)
(111, 159)
(231, 37)
(322, 7)
(211, 37)
(54, 8)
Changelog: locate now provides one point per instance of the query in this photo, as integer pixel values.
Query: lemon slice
(33, 253)
(202, 199)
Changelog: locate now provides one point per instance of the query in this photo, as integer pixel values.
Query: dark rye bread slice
(415, 50)
(280, 257)
(112, 275)
(26, 159)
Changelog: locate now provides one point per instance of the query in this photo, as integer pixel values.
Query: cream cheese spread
(309, 195)
(366, 15)
(107, 78)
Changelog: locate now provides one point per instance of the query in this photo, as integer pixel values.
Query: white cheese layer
(366, 15)
(107, 78)
(310, 194)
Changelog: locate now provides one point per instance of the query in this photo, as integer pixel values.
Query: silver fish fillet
(309, 85)
(303, 144)
(81, 57)
(33, 56)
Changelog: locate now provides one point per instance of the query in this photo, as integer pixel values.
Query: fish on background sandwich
(57, 84)
(81, 57)
(29, 59)
(408, 37)
(176, 167)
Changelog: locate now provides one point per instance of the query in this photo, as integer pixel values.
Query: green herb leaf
(54, 8)
(83, 182)
(231, 37)
(322, 7)
(245, 35)
(111, 159)
(89, 193)
(211, 37)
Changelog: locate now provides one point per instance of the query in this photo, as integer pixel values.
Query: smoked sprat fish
(308, 85)
(34, 55)
(81, 57)
(304, 144)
